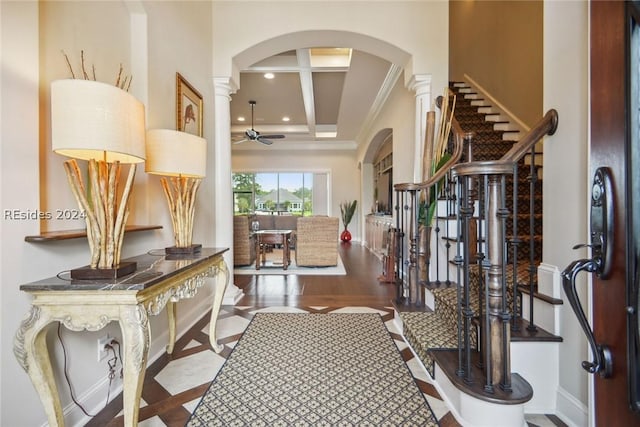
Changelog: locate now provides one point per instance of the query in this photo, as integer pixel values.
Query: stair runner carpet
(438, 329)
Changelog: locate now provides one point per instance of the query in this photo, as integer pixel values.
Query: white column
(223, 207)
(421, 85)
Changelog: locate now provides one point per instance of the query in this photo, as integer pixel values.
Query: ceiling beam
(306, 85)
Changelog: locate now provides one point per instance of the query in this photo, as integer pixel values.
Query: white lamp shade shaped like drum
(175, 153)
(99, 121)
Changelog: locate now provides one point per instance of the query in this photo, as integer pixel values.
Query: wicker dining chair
(244, 248)
(317, 241)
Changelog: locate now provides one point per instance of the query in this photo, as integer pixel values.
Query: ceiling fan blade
(253, 135)
(264, 141)
(241, 141)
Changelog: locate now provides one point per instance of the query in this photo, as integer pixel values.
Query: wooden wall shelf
(52, 236)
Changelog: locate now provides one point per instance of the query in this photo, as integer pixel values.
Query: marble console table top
(151, 269)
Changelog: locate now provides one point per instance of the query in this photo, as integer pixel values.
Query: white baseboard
(570, 410)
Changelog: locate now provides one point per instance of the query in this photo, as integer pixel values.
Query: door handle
(601, 221)
(602, 363)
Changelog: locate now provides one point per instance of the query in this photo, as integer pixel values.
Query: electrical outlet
(103, 351)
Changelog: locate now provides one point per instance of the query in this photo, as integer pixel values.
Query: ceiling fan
(254, 135)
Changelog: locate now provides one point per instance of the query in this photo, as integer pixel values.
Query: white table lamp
(182, 157)
(105, 125)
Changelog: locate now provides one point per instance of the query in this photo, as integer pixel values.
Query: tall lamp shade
(94, 120)
(104, 125)
(183, 158)
(175, 153)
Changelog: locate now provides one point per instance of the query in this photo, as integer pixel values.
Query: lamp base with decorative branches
(180, 159)
(104, 125)
(181, 196)
(105, 217)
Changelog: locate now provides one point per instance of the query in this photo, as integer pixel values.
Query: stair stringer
(538, 362)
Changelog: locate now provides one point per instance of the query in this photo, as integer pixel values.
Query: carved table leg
(136, 335)
(222, 279)
(171, 312)
(30, 348)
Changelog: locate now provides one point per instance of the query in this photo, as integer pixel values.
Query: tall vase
(345, 236)
(424, 253)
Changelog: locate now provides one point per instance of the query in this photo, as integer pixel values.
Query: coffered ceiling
(317, 98)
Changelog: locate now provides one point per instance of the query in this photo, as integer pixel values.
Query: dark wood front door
(615, 102)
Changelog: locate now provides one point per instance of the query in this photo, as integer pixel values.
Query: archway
(401, 46)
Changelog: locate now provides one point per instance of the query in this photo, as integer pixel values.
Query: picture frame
(188, 107)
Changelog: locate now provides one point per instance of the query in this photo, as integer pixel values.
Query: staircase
(433, 331)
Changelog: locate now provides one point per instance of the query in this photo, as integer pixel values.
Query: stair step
(448, 363)
(548, 299)
(427, 330)
(522, 333)
(479, 103)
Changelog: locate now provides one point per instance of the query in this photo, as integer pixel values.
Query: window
(274, 193)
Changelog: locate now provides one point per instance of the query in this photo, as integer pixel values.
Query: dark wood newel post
(500, 352)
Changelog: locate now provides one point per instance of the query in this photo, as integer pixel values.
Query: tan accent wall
(499, 44)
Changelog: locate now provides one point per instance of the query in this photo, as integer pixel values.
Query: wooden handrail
(546, 126)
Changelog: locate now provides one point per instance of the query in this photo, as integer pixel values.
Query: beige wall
(149, 40)
(499, 45)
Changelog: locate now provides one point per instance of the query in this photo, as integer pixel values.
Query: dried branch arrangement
(181, 196)
(106, 216)
(436, 145)
(435, 155)
(121, 83)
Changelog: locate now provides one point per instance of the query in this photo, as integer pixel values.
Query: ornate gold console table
(159, 281)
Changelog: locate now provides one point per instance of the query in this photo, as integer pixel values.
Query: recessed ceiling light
(241, 119)
(285, 119)
(269, 75)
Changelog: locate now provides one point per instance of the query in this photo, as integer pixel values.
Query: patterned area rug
(314, 369)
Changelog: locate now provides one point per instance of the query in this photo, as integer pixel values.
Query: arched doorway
(415, 48)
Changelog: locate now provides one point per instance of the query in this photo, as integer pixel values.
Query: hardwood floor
(359, 287)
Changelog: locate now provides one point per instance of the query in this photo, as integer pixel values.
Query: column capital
(420, 84)
(224, 86)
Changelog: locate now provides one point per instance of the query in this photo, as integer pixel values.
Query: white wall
(155, 39)
(565, 190)
(395, 115)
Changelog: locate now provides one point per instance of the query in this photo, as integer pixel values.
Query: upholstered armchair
(317, 241)
(244, 248)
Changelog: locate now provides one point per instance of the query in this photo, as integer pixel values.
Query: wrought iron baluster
(532, 267)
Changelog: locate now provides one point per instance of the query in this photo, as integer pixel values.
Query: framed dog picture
(188, 107)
